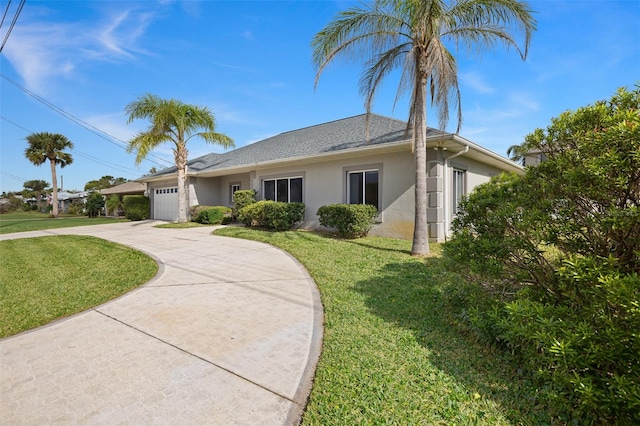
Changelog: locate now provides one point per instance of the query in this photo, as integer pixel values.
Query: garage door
(165, 203)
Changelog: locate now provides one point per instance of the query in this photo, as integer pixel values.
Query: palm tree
(172, 121)
(517, 154)
(35, 188)
(45, 146)
(413, 35)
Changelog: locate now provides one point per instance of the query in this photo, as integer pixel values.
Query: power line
(131, 171)
(100, 133)
(6, 10)
(13, 23)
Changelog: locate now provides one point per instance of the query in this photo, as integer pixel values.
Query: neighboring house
(66, 198)
(335, 163)
(127, 188)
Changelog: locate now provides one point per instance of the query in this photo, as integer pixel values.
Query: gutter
(448, 200)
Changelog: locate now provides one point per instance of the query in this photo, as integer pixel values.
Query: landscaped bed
(392, 353)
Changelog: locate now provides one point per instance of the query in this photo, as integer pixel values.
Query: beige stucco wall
(477, 173)
(325, 183)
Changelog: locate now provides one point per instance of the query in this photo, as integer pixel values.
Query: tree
(114, 204)
(103, 183)
(411, 35)
(45, 146)
(35, 188)
(176, 122)
(94, 204)
(561, 245)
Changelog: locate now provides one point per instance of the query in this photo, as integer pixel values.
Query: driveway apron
(228, 333)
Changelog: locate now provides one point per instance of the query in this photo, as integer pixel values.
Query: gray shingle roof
(347, 133)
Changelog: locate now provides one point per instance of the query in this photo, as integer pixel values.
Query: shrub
(114, 204)
(94, 204)
(274, 215)
(243, 198)
(211, 215)
(557, 252)
(136, 207)
(349, 220)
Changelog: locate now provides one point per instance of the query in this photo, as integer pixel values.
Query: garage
(165, 203)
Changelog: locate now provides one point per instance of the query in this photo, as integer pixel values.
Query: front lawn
(45, 278)
(392, 353)
(35, 221)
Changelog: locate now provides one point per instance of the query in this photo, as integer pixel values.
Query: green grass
(45, 278)
(35, 221)
(392, 353)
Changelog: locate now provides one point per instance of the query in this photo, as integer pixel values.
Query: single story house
(65, 199)
(336, 162)
(128, 188)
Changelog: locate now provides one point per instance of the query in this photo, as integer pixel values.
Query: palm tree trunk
(54, 180)
(420, 230)
(181, 163)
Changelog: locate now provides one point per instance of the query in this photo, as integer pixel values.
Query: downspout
(449, 200)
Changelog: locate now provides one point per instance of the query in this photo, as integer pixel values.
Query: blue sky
(250, 62)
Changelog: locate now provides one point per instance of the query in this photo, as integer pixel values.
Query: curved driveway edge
(228, 333)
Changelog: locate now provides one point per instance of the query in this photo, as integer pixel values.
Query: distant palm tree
(45, 146)
(35, 188)
(412, 35)
(176, 122)
(516, 154)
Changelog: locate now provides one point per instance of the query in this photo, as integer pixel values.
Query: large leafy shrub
(274, 215)
(557, 251)
(210, 215)
(136, 207)
(243, 198)
(349, 220)
(94, 204)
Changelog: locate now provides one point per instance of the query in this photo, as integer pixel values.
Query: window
(459, 185)
(288, 190)
(233, 188)
(363, 187)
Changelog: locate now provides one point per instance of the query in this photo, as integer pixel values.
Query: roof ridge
(340, 119)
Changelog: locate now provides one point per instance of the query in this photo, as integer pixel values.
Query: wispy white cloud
(41, 51)
(475, 82)
(248, 35)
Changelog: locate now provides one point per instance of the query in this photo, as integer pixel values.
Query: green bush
(349, 220)
(557, 254)
(211, 215)
(94, 204)
(274, 215)
(136, 207)
(243, 198)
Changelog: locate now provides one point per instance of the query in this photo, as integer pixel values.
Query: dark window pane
(355, 188)
(295, 192)
(371, 188)
(283, 190)
(270, 190)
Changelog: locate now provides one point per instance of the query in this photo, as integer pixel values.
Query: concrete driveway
(228, 333)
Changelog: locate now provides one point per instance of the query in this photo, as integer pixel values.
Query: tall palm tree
(176, 122)
(416, 36)
(45, 146)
